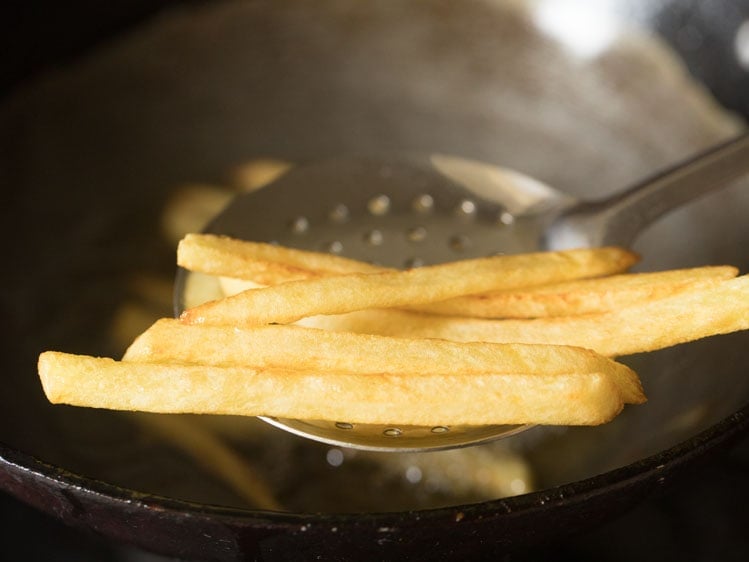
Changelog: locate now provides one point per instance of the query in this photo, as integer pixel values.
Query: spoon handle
(619, 219)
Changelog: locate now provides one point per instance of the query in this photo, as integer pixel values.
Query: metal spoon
(415, 210)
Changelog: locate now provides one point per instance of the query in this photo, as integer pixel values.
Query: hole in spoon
(379, 205)
(416, 234)
(334, 247)
(374, 237)
(339, 214)
(423, 204)
(505, 218)
(466, 209)
(299, 225)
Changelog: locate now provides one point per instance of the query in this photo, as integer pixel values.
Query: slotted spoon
(416, 210)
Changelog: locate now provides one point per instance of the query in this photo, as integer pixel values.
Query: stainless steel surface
(619, 219)
(394, 438)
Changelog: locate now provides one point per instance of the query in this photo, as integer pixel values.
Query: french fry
(417, 347)
(295, 347)
(570, 399)
(583, 296)
(266, 264)
(293, 300)
(707, 310)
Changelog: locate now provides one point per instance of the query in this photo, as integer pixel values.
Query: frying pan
(102, 132)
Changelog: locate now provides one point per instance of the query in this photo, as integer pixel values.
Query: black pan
(107, 119)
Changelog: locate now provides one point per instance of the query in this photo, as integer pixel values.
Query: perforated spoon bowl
(416, 210)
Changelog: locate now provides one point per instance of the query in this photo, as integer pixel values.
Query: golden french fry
(583, 296)
(266, 264)
(293, 300)
(569, 399)
(704, 311)
(295, 347)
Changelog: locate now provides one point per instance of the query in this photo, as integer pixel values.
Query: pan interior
(115, 156)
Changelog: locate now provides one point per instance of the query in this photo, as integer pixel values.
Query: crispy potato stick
(584, 296)
(294, 347)
(705, 311)
(293, 300)
(266, 264)
(571, 399)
